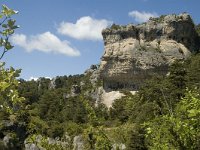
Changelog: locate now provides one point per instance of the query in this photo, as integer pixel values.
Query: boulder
(78, 143)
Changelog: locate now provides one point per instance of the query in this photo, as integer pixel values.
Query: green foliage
(136, 138)
(8, 27)
(2, 146)
(91, 115)
(121, 133)
(37, 125)
(97, 139)
(198, 29)
(118, 110)
(180, 130)
(10, 101)
(72, 128)
(12, 109)
(102, 141)
(158, 19)
(115, 27)
(29, 90)
(9, 97)
(157, 99)
(101, 112)
(75, 110)
(95, 134)
(53, 111)
(177, 78)
(49, 105)
(192, 67)
(158, 96)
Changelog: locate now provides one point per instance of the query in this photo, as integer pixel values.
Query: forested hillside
(133, 120)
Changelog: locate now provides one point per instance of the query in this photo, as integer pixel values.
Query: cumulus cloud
(36, 78)
(141, 16)
(45, 42)
(85, 28)
(33, 78)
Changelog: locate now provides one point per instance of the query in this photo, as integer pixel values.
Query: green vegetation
(177, 130)
(198, 29)
(11, 104)
(158, 19)
(115, 27)
(133, 120)
(7, 28)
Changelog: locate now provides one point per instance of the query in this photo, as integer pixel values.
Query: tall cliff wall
(135, 52)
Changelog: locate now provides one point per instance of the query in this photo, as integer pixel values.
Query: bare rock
(78, 143)
(135, 52)
(75, 90)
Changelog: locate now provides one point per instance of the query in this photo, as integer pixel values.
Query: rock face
(133, 53)
(75, 90)
(78, 143)
(94, 73)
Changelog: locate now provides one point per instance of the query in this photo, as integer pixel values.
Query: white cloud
(36, 78)
(142, 16)
(33, 78)
(45, 42)
(85, 28)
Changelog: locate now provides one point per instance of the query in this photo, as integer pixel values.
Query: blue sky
(63, 37)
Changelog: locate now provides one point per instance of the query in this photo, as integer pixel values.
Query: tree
(9, 97)
(180, 130)
(118, 110)
(193, 71)
(11, 104)
(7, 28)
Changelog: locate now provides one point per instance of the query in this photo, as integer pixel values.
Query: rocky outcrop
(78, 143)
(135, 52)
(100, 95)
(93, 71)
(75, 90)
(39, 142)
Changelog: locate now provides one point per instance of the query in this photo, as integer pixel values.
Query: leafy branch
(7, 28)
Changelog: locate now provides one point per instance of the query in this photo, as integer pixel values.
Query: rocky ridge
(135, 52)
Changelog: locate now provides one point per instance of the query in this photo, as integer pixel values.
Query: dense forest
(163, 114)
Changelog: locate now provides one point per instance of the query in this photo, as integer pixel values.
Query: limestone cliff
(134, 52)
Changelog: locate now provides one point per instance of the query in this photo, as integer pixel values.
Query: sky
(63, 37)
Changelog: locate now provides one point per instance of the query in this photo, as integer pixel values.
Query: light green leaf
(193, 113)
(8, 46)
(4, 25)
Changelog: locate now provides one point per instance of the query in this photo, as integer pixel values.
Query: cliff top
(134, 53)
(179, 28)
(163, 19)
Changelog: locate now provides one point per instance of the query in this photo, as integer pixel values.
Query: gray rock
(36, 145)
(75, 90)
(52, 84)
(119, 146)
(135, 52)
(91, 69)
(78, 143)
(94, 74)
(6, 140)
(31, 146)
